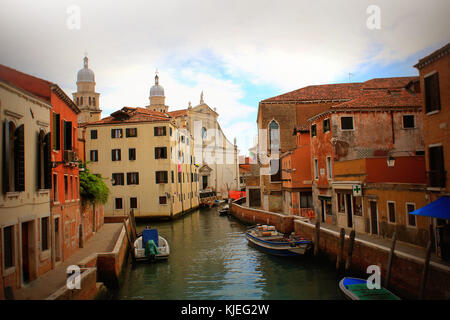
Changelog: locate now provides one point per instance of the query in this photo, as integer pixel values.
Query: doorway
(373, 217)
(57, 241)
(322, 214)
(25, 252)
(348, 199)
(204, 182)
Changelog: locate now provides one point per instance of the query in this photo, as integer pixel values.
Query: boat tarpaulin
(439, 208)
(236, 194)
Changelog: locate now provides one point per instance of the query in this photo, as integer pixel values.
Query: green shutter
(47, 162)
(6, 156)
(38, 161)
(19, 158)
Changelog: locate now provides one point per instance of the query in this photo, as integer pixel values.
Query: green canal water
(211, 259)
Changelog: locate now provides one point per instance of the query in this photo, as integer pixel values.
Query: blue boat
(267, 239)
(357, 289)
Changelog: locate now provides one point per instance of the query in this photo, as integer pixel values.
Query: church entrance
(204, 182)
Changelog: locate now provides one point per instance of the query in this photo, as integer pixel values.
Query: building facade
(25, 217)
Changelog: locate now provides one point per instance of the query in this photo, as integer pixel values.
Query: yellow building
(25, 237)
(147, 161)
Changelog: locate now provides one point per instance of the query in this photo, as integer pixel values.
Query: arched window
(204, 133)
(274, 136)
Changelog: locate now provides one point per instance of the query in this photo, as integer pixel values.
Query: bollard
(341, 249)
(391, 257)
(317, 238)
(348, 262)
(425, 271)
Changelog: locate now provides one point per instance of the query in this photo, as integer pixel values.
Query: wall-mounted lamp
(390, 161)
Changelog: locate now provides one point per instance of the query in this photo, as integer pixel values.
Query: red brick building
(65, 221)
(434, 73)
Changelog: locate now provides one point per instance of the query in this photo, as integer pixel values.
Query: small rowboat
(356, 289)
(224, 210)
(267, 239)
(150, 246)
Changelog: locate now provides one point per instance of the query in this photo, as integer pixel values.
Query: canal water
(210, 259)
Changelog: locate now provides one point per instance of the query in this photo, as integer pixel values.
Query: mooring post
(129, 239)
(425, 271)
(133, 225)
(348, 262)
(317, 238)
(340, 255)
(391, 257)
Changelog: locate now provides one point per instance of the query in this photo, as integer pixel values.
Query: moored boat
(149, 245)
(267, 239)
(224, 211)
(357, 289)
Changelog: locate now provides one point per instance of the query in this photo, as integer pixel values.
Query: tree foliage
(93, 189)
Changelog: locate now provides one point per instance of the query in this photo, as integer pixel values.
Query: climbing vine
(93, 189)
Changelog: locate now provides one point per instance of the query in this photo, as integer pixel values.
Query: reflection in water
(210, 259)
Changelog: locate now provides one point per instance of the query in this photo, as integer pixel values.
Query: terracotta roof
(130, 115)
(383, 99)
(388, 83)
(178, 113)
(39, 87)
(433, 56)
(306, 111)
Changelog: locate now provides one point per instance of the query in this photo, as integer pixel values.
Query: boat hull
(164, 250)
(296, 249)
(347, 286)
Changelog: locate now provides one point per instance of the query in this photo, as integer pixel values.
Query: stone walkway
(102, 241)
(401, 247)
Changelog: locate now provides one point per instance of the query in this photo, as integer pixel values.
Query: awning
(439, 208)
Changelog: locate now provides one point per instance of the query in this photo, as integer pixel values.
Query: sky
(237, 52)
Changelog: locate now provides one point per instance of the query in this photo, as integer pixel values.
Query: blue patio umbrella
(439, 208)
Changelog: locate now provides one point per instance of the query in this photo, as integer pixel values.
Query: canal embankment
(100, 263)
(407, 264)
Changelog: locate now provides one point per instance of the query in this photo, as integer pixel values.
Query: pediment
(205, 169)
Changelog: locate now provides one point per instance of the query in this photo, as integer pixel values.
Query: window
(326, 125)
(133, 203)
(118, 203)
(133, 178)
(179, 177)
(274, 136)
(391, 211)
(71, 188)
(132, 154)
(93, 101)
(44, 165)
(116, 133)
(346, 123)
(94, 155)
(93, 134)
(14, 157)
(160, 131)
(437, 174)
(89, 100)
(329, 168)
(55, 187)
(118, 179)
(115, 155)
(172, 176)
(408, 122)
(66, 187)
(161, 176)
(204, 133)
(313, 130)
(8, 249)
(44, 233)
(56, 131)
(316, 169)
(162, 200)
(170, 131)
(306, 200)
(81, 100)
(160, 153)
(410, 207)
(131, 132)
(67, 125)
(182, 139)
(275, 170)
(77, 187)
(432, 94)
(341, 202)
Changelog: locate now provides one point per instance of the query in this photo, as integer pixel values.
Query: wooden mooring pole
(317, 238)
(133, 225)
(351, 242)
(425, 271)
(340, 255)
(129, 239)
(390, 259)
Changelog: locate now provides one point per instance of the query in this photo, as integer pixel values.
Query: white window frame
(329, 171)
(407, 215)
(388, 213)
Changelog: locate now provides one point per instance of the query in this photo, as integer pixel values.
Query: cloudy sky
(237, 52)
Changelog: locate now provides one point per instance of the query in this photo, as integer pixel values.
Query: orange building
(296, 177)
(434, 72)
(375, 196)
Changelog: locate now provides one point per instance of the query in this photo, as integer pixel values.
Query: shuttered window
(67, 135)
(8, 243)
(160, 153)
(44, 165)
(160, 131)
(161, 176)
(56, 132)
(133, 178)
(432, 93)
(118, 179)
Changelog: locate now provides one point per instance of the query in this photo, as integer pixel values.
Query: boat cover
(151, 249)
(150, 234)
(363, 293)
(439, 208)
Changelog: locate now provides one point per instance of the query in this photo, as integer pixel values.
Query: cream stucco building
(25, 249)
